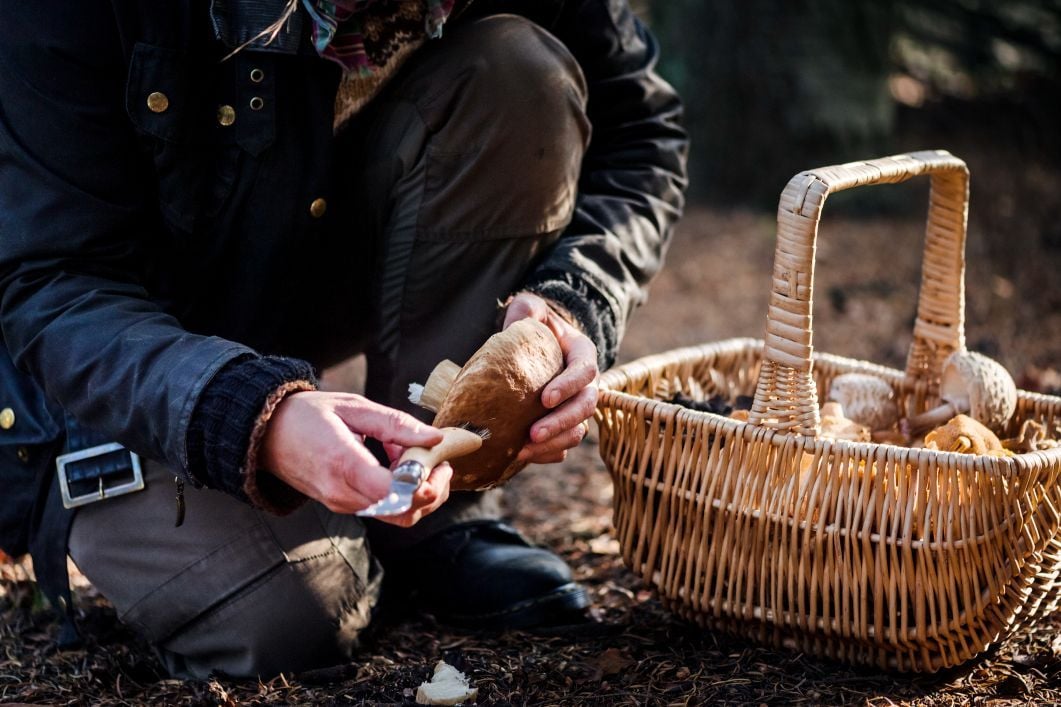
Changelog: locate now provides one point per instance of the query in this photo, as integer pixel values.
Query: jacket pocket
(184, 108)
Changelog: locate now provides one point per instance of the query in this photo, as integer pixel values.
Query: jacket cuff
(592, 312)
(228, 425)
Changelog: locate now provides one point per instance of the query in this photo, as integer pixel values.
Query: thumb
(526, 306)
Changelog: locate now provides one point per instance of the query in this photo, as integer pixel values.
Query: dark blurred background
(776, 86)
(773, 87)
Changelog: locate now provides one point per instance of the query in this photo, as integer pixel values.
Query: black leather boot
(484, 574)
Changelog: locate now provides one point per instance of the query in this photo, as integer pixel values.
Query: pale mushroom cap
(979, 385)
(866, 399)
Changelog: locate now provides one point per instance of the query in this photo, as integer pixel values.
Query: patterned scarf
(370, 39)
(339, 29)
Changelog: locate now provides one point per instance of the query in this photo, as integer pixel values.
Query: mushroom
(499, 390)
(836, 426)
(964, 435)
(971, 384)
(1032, 438)
(867, 400)
(448, 686)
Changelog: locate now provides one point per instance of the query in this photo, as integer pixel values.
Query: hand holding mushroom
(571, 396)
(531, 386)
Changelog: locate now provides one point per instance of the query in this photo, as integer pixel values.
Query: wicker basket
(904, 558)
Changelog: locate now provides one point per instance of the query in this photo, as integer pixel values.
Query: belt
(91, 469)
(94, 469)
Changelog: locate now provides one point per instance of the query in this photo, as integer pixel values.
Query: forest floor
(634, 652)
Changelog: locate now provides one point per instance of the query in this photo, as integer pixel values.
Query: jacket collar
(236, 22)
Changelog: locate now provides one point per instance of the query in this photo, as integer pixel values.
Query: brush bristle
(481, 431)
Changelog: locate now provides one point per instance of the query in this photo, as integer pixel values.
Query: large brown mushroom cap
(500, 389)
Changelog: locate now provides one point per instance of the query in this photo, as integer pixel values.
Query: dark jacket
(141, 251)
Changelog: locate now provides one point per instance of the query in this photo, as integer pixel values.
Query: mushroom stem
(935, 417)
(435, 390)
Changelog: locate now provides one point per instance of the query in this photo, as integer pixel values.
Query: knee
(296, 618)
(523, 79)
(519, 65)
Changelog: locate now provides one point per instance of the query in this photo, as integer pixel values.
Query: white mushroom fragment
(867, 400)
(448, 686)
(834, 425)
(499, 390)
(974, 385)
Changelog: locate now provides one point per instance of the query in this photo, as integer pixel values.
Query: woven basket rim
(608, 395)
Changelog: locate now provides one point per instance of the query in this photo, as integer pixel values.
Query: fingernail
(542, 434)
(522, 456)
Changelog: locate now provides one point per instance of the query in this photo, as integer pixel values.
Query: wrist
(262, 481)
(228, 423)
(594, 315)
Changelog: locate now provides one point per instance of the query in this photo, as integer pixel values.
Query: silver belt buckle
(102, 490)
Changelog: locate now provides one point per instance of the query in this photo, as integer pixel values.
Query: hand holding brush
(417, 462)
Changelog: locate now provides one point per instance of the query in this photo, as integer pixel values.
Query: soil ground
(634, 652)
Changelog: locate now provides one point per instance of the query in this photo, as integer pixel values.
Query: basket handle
(785, 396)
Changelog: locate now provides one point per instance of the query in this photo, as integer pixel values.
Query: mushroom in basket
(965, 435)
(499, 389)
(867, 400)
(971, 384)
(836, 425)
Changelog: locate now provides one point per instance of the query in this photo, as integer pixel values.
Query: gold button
(226, 115)
(257, 103)
(257, 75)
(23, 454)
(157, 102)
(7, 418)
(317, 208)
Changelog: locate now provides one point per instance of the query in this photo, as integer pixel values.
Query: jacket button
(226, 115)
(7, 418)
(318, 207)
(157, 102)
(257, 75)
(23, 454)
(257, 103)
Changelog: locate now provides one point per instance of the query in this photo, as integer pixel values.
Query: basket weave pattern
(905, 558)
